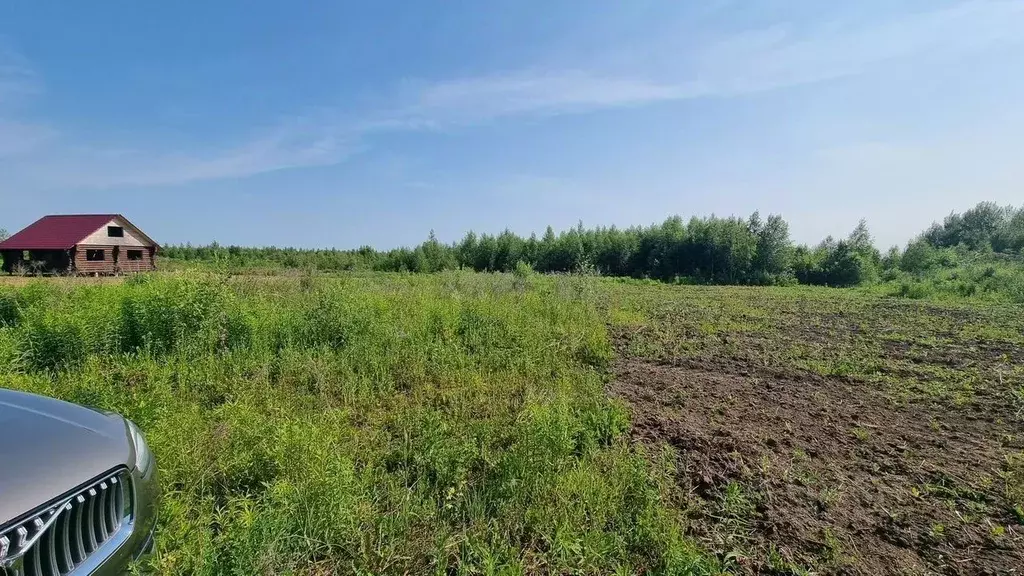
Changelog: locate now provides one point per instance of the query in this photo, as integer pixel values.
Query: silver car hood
(49, 447)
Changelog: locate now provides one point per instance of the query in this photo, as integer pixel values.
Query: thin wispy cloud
(18, 82)
(67, 165)
(775, 57)
(471, 100)
(19, 138)
(747, 62)
(17, 79)
(743, 63)
(39, 155)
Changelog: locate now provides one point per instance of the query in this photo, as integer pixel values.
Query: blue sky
(341, 124)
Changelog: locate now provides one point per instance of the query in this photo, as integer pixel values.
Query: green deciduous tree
(987, 226)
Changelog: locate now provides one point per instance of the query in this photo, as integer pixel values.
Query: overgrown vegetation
(453, 423)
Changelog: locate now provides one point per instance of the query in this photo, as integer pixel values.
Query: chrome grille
(62, 537)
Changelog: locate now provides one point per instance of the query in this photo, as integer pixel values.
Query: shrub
(912, 289)
(10, 311)
(47, 343)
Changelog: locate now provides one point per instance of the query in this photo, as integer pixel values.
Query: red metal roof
(57, 232)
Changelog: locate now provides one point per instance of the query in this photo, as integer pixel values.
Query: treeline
(732, 250)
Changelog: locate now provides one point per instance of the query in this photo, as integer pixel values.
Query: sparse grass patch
(1013, 475)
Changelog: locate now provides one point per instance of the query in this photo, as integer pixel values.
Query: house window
(115, 231)
(95, 255)
(26, 255)
(135, 254)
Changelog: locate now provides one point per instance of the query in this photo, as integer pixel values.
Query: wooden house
(79, 244)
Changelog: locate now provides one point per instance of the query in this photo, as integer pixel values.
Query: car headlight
(143, 457)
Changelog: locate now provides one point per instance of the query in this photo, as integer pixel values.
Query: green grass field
(464, 423)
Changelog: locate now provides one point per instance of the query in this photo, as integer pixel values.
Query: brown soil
(837, 477)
